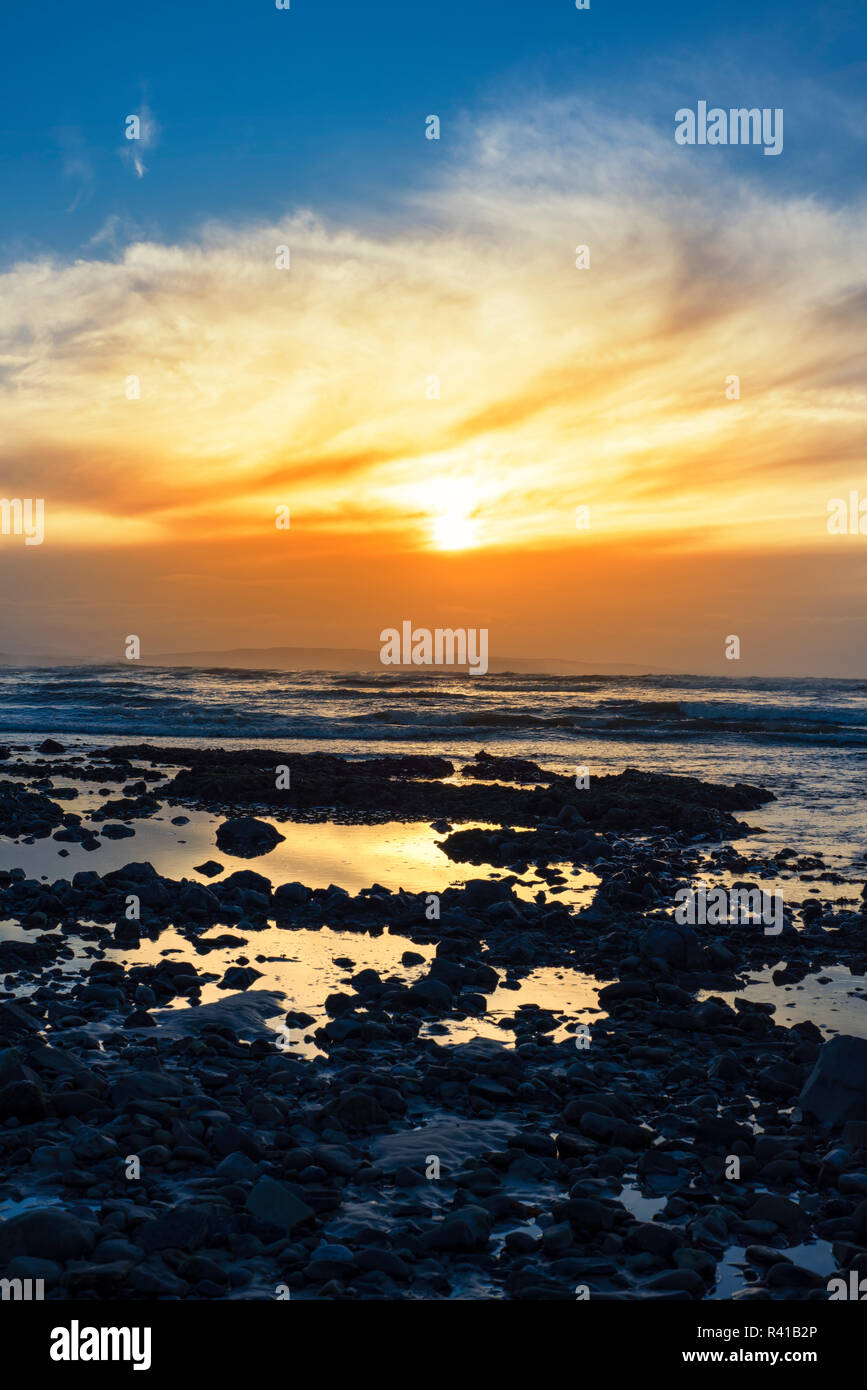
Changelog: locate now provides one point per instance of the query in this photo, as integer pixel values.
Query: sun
(447, 506)
(454, 531)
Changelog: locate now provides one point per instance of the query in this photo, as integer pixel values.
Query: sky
(621, 454)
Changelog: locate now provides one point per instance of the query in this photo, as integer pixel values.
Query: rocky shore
(154, 1145)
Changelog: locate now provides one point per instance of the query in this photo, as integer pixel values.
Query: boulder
(836, 1089)
(239, 977)
(183, 1227)
(466, 1230)
(48, 1233)
(23, 1101)
(209, 869)
(275, 1204)
(479, 893)
(674, 942)
(246, 837)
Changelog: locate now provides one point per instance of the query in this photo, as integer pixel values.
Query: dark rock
(237, 1167)
(247, 837)
(429, 993)
(770, 1207)
(127, 932)
(183, 1227)
(210, 868)
(479, 893)
(23, 1100)
(386, 1261)
(337, 1004)
(230, 1138)
(786, 1275)
(358, 1109)
(468, 1229)
(112, 831)
(239, 977)
(296, 1018)
(674, 942)
(143, 1085)
(275, 1204)
(836, 1089)
(16, 1018)
(47, 1233)
(290, 895)
(687, 1280)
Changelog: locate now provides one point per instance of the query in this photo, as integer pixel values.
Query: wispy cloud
(77, 165)
(141, 133)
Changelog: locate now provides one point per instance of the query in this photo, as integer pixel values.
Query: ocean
(804, 739)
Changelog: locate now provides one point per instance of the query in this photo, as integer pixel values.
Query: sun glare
(454, 531)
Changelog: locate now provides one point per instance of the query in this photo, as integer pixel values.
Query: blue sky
(260, 112)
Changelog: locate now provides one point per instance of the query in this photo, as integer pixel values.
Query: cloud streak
(141, 133)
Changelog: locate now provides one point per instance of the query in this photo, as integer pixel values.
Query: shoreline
(275, 1134)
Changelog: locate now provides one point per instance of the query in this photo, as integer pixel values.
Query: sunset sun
(454, 531)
